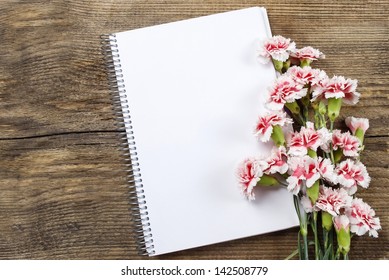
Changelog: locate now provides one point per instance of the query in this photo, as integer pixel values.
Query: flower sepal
(313, 192)
(278, 136)
(267, 181)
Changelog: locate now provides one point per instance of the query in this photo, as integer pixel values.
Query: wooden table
(62, 192)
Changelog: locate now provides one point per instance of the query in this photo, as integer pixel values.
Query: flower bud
(278, 136)
(326, 220)
(358, 126)
(322, 108)
(334, 105)
(342, 228)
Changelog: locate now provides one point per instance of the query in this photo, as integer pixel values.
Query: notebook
(188, 94)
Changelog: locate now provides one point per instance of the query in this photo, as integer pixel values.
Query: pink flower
(362, 219)
(308, 53)
(333, 200)
(285, 90)
(325, 139)
(277, 161)
(264, 126)
(341, 222)
(306, 75)
(307, 138)
(277, 48)
(248, 174)
(326, 169)
(303, 171)
(338, 87)
(306, 203)
(349, 144)
(354, 123)
(350, 174)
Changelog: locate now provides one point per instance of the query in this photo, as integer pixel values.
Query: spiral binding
(137, 199)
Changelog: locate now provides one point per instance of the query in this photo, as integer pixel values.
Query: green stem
(345, 256)
(314, 227)
(331, 149)
(305, 239)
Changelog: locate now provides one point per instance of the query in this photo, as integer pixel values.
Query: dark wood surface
(62, 192)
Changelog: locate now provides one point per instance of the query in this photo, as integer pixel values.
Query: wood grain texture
(62, 192)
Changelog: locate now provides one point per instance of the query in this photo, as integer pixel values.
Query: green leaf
(294, 253)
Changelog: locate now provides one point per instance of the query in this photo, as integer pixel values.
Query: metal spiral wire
(137, 199)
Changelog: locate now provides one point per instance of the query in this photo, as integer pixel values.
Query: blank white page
(195, 91)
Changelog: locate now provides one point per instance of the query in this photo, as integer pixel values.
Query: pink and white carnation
(338, 87)
(326, 169)
(306, 203)
(341, 222)
(277, 48)
(354, 123)
(349, 144)
(277, 161)
(362, 219)
(308, 53)
(306, 75)
(248, 173)
(307, 138)
(325, 138)
(285, 90)
(264, 127)
(333, 200)
(350, 174)
(303, 172)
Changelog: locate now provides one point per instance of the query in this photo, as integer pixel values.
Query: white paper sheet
(195, 90)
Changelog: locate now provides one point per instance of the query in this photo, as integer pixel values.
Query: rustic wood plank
(62, 191)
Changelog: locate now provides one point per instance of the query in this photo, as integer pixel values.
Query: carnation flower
(358, 126)
(264, 126)
(306, 75)
(354, 123)
(248, 174)
(306, 203)
(302, 170)
(306, 171)
(342, 222)
(333, 200)
(349, 144)
(350, 174)
(277, 161)
(325, 139)
(307, 138)
(338, 87)
(307, 53)
(285, 90)
(277, 48)
(326, 169)
(362, 219)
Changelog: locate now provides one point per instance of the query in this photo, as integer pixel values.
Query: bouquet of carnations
(320, 165)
